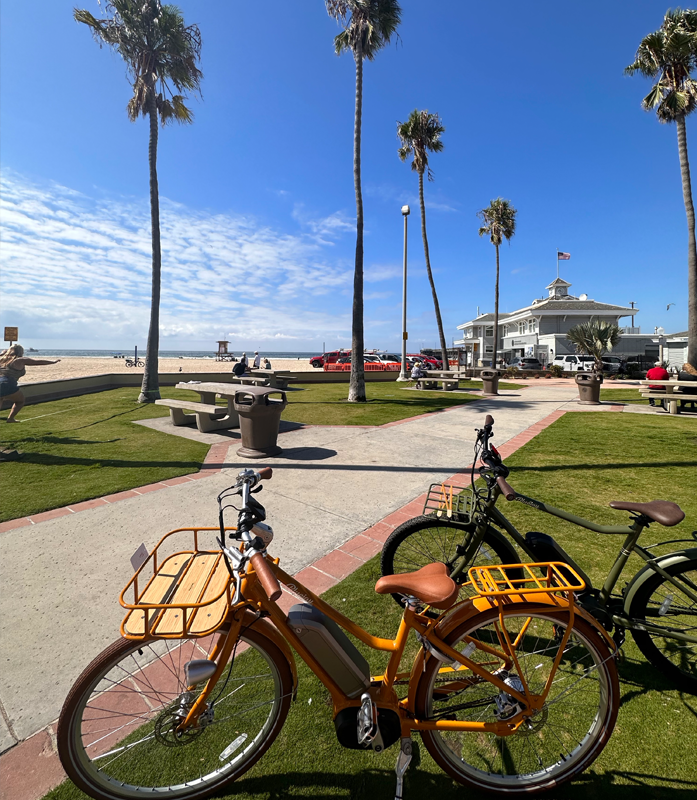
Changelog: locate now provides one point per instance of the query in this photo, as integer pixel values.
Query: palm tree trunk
(691, 246)
(496, 311)
(439, 321)
(150, 390)
(357, 379)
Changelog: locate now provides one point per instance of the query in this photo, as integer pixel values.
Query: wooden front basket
(178, 593)
(553, 578)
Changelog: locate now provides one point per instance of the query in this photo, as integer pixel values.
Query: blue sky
(257, 194)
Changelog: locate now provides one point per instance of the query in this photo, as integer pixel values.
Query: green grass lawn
(580, 463)
(628, 395)
(84, 447)
(326, 404)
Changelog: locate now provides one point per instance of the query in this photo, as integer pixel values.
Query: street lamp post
(403, 373)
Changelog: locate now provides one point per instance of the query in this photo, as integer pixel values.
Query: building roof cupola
(558, 289)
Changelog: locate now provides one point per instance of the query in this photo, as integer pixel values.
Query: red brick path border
(31, 768)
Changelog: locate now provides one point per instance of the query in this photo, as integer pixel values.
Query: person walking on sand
(13, 366)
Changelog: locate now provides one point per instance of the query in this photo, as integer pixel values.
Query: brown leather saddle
(661, 511)
(431, 584)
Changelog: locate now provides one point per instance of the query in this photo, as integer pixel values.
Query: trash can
(490, 379)
(588, 387)
(260, 416)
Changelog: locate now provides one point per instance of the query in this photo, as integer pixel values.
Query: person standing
(657, 373)
(257, 360)
(243, 362)
(13, 366)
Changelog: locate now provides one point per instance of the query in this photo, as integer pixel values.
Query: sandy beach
(77, 367)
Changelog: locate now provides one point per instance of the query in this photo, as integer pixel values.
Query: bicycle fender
(646, 572)
(271, 632)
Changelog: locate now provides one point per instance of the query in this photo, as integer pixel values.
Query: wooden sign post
(11, 335)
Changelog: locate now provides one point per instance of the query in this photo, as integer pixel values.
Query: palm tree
(499, 224)
(668, 56)
(160, 52)
(368, 25)
(594, 338)
(419, 135)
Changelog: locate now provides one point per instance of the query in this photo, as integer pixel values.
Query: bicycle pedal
(368, 729)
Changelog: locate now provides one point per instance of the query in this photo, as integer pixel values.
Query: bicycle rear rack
(554, 578)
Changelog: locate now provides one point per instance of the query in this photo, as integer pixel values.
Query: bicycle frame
(630, 545)
(382, 691)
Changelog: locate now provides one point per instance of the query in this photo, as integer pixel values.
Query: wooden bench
(448, 383)
(207, 416)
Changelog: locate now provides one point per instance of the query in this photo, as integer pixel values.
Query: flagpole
(557, 263)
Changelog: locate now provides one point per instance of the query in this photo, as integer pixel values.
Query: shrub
(511, 372)
(555, 371)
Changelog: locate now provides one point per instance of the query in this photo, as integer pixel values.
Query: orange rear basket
(553, 578)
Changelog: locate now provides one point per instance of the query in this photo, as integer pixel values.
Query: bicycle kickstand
(403, 761)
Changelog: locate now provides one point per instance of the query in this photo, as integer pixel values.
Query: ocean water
(162, 354)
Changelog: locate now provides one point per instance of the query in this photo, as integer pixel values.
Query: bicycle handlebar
(507, 491)
(266, 578)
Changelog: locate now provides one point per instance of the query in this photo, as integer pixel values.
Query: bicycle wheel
(117, 731)
(424, 540)
(660, 603)
(556, 744)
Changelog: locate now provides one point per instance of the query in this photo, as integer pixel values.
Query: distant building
(540, 329)
(672, 347)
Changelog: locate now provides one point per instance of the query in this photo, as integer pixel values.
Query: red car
(429, 361)
(328, 358)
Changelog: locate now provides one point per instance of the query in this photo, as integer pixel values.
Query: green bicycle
(658, 606)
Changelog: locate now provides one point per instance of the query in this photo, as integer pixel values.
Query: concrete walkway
(62, 575)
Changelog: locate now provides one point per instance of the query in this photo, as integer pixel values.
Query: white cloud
(78, 266)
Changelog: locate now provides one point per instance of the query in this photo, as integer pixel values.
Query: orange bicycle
(514, 690)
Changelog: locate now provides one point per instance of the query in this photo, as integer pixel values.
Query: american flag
(563, 256)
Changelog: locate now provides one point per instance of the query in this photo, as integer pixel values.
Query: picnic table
(668, 394)
(207, 415)
(447, 379)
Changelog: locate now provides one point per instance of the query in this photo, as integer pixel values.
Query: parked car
(328, 358)
(526, 363)
(612, 364)
(367, 359)
(575, 363)
(429, 362)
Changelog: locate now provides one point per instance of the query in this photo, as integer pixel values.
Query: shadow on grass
(419, 784)
(618, 465)
(57, 461)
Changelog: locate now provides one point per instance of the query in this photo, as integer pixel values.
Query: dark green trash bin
(259, 408)
(490, 380)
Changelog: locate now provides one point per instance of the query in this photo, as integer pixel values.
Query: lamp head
(405, 211)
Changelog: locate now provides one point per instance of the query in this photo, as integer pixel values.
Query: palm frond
(499, 219)
(419, 135)
(159, 50)
(669, 56)
(368, 25)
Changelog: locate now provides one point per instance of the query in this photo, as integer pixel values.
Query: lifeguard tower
(222, 354)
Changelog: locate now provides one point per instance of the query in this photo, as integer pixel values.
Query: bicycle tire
(676, 660)
(144, 691)
(424, 540)
(531, 760)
